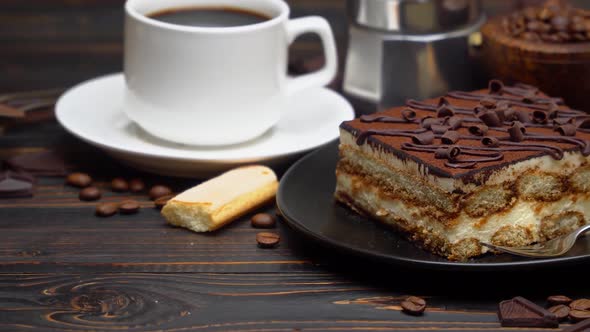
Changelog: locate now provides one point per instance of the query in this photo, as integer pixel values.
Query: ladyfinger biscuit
(221, 200)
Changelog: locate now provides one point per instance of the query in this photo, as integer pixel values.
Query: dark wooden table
(63, 269)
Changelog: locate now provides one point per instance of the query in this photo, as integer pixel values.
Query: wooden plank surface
(63, 269)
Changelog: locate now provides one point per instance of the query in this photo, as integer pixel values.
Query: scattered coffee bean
(561, 311)
(267, 240)
(413, 305)
(263, 220)
(558, 299)
(159, 191)
(520, 312)
(160, 202)
(106, 209)
(136, 185)
(579, 315)
(129, 207)
(581, 304)
(119, 185)
(80, 180)
(90, 194)
(583, 326)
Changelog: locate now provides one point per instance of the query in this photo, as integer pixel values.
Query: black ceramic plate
(305, 199)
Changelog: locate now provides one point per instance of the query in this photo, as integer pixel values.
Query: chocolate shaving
(490, 118)
(566, 130)
(408, 114)
(540, 116)
(423, 138)
(461, 165)
(450, 153)
(517, 132)
(495, 86)
(445, 111)
(442, 101)
(584, 124)
(488, 103)
(490, 141)
(383, 119)
(450, 137)
(478, 129)
(428, 121)
(500, 114)
(454, 122)
(439, 129)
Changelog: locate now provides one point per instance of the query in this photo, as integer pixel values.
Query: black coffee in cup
(209, 16)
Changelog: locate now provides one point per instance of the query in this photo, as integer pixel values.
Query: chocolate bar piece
(520, 312)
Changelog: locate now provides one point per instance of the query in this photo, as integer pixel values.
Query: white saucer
(93, 112)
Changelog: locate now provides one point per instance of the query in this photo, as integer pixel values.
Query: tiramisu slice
(506, 165)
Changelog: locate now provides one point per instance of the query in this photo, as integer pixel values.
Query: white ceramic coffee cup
(215, 86)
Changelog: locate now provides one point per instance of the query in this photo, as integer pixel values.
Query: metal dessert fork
(552, 248)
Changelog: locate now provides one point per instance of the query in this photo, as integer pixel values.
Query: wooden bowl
(560, 70)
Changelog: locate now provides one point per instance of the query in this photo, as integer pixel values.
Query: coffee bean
(80, 180)
(136, 185)
(90, 194)
(413, 305)
(531, 36)
(267, 240)
(545, 14)
(581, 304)
(560, 23)
(129, 207)
(159, 191)
(558, 299)
(106, 209)
(579, 315)
(561, 311)
(160, 202)
(262, 220)
(530, 13)
(119, 185)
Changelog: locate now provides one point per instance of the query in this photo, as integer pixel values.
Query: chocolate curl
(496, 87)
(540, 117)
(490, 118)
(444, 111)
(408, 114)
(584, 124)
(449, 153)
(461, 165)
(439, 129)
(428, 121)
(510, 115)
(566, 130)
(488, 103)
(478, 129)
(443, 102)
(529, 98)
(490, 141)
(450, 137)
(522, 116)
(552, 107)
(562, 121)
(517, 132)
(504, 104)
(423, 138)
(479, 109)
(501, 115)
(454, 122)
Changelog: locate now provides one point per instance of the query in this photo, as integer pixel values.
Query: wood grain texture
(223, 302)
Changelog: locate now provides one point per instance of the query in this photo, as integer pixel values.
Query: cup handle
(324, 76)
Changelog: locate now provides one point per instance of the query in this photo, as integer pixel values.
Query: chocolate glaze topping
(477, 130)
